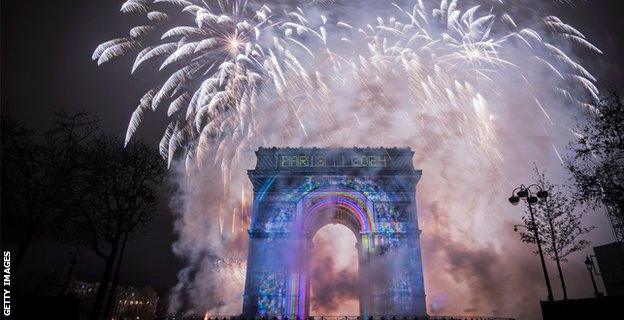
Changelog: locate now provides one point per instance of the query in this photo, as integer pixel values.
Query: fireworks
(231, 271)
(217, 67)
(453, 59)
(220, 66)
(433, 75)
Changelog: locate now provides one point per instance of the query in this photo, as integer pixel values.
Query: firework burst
(218, 66)
(222, 64)
(455, 61)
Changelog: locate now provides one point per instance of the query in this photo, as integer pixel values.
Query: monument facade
(372, 191)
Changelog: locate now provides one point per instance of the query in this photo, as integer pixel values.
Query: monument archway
(299, 190)
(334, 282)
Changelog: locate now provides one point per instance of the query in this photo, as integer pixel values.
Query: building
(131, 302)
(610, 259)
(372, 191)
(134, 303)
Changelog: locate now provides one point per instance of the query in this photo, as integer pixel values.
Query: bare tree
(116, 197)
(36, 172)
(559, 226)
(597, 164)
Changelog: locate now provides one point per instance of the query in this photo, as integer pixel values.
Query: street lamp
(590, 267)
(531, 197)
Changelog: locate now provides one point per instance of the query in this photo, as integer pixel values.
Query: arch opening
(330, 288)
(345, 206)
(333, 214)
(334, 271)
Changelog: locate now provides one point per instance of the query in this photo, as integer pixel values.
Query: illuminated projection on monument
(299, 190)
(333, 161)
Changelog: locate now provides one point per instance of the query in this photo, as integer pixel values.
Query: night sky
(47, 66)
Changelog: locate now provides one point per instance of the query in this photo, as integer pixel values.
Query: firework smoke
(336, 278)
(476, 90)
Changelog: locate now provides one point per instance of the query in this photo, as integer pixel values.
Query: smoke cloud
(334, 289)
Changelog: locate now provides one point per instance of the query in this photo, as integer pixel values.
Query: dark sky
(46, 66)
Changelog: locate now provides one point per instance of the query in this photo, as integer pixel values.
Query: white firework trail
(452, 57)
(218, 67)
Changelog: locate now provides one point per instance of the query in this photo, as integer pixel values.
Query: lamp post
(531, 198)
(590, 268)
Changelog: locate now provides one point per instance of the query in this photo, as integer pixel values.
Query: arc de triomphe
(372, 191)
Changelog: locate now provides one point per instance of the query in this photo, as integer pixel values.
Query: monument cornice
(334, 161)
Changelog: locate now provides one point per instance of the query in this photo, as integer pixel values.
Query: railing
(388, 317)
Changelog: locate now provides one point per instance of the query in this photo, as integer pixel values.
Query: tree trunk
(96, 308)
(554, 248)
(110, 299)
(563, 286)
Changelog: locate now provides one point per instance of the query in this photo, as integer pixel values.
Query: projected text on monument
(332, 161)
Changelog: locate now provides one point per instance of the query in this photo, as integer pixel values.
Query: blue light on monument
(369, 190)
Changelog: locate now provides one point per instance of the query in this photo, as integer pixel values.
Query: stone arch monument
(372, 191)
